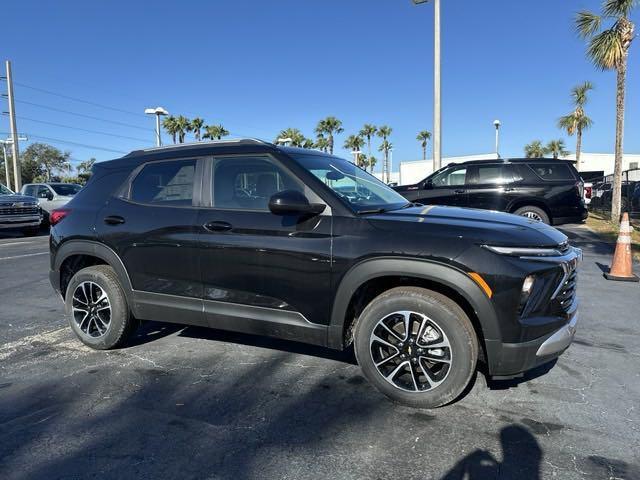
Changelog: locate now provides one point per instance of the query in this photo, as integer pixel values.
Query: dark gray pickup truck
(19, 212)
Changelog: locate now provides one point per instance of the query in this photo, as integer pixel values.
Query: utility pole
(17, 174)
(6, 163)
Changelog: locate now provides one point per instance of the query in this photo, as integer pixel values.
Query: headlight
(525, 252)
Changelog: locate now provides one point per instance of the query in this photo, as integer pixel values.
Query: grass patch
(609, 231)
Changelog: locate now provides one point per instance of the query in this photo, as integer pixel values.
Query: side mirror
(292, 202)
(427, 185)
(45, 194)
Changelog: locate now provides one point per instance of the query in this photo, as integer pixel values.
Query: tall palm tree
(535, 149)
(296, 136)
(169, 124)
(196, 126)
(367, 132)
(423, 137)
(385, 147)
(556, 148)
(322, 143)
(608, 49)
(215, 132)
(371, 162)
(308, 143)
(384, 132)
(183, 125)
(329, 126)
(355, 143)
(577, 121)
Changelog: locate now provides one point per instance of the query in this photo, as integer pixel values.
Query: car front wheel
(418, 347)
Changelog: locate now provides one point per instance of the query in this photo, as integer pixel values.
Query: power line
(80, 100)
(84, 115)
(82, 129)
(77, 144)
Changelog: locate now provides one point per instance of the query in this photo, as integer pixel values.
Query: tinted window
(4, 190)
(493, 174)
(66, 189)
(552, 171)
(42, 192)
(248, 182)
(165, 183)
(30, 190)
(453, 177)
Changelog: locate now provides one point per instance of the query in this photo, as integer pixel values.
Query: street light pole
(158, 112)
(437, 91)
(496, 124)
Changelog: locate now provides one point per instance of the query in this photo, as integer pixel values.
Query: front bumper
(19, 221)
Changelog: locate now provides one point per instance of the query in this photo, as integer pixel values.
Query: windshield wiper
(372, 210)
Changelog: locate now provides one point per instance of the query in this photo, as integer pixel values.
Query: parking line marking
(15, 243)
(25, 255)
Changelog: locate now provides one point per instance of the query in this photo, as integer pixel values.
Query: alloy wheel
(410, 351)
(91, 309)
(532, 215)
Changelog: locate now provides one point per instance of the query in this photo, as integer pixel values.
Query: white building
(414, 171)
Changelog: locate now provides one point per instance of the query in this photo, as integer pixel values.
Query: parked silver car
(50, 195)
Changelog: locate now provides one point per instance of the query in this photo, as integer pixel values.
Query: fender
(95, 249)
(437, 272)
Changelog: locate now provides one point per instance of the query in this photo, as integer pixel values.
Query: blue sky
(261, 66)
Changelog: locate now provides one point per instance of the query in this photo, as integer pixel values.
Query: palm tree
(169, 124)
(367, 132)
(577, 121)
(296, 136)
(355, 143)
(423, 137)
(196, 126)
(329, 126)
(385, 132)
(308, 143)
(385, 147)
(371, 162)
(322, 143)
(183, 125)
(608, 49)
(535, 149)
(215, 132)
(556, 148)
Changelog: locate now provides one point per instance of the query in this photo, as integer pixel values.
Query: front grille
(28, 210)
(567, 291)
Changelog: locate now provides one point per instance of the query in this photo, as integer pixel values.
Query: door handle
(508, 189)
(113, 220)
(218, 226)
(459, 191)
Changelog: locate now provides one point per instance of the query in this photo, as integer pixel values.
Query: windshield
(5, 191)
(361, 190)
(66, 189)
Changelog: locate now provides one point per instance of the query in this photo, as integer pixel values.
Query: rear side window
(552, 171)
(493, 174)
(165, 183)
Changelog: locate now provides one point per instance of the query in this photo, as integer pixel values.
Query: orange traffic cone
(622, 264)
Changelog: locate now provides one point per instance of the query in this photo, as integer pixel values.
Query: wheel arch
(84, 251)
(534, 202)
(418, 272)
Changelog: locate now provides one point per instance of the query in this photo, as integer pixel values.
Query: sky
(258, 67)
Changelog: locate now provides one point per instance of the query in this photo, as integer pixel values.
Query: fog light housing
(525, 293)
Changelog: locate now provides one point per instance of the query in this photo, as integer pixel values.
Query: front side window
(5, 191)
(361, 190)
(165, 183)
(248, 182)
(450, 178)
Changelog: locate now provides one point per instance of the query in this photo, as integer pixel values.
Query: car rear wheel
(416, 346)
(534, 213)
(97, 308)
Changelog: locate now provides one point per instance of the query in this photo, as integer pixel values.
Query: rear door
(490, 187)
(151, 225)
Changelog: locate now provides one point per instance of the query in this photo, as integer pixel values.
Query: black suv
(546, 190)
(251, 237)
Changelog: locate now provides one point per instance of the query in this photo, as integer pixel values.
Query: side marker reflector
(483, 285)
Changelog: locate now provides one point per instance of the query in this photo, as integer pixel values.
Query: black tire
(121, 323)
(533, 212)
(448, 316)
(31, 231)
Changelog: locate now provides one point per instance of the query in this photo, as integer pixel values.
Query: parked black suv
(542, 189)
(246, 236)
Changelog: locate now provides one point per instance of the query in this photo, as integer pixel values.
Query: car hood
(481, 226)
(15, 198)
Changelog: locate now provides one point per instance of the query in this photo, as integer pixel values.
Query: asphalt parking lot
(197, 403)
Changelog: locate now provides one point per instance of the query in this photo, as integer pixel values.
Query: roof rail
(201, 143)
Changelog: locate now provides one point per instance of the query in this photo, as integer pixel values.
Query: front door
(446, 188)
(260, 269)
(490, 187)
